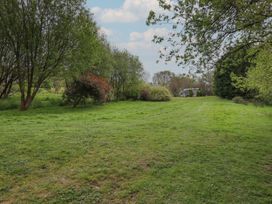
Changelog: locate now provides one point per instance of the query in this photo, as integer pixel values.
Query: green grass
(43, 99)
(191, 150)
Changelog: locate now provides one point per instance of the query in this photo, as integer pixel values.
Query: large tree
(259, 77)
(227, 68)
(7, 68)
(204, 30)
(163, 78)
(92, 51)
(39, 34)
(126, 75)
(180, 82)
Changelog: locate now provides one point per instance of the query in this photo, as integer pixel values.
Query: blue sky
(123, 22)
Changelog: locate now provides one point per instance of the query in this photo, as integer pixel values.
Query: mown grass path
(192, 150)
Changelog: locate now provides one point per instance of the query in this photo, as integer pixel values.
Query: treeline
(177, 83)
(246, 74)
(57, 44)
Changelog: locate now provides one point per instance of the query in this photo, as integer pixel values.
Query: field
(190, 150)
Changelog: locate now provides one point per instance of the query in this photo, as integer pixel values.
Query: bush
(200, 93)
(240, 100)
(145, 93)
(155, 93)
(191, 93)
(87, 86)
(132, 92)
(10, 103)
(159, 93)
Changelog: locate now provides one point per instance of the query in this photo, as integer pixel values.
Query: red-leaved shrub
(87, 86)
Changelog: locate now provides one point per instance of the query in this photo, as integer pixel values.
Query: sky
(123, 22)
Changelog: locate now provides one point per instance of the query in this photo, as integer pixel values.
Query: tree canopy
(39, 36)
(260, 77)
(204, 30)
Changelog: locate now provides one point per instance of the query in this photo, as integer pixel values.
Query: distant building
(189, 92)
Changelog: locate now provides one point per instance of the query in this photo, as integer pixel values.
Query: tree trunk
(25, 103)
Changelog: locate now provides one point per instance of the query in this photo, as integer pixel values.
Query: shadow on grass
(48, 110)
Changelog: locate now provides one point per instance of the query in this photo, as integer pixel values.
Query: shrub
(200, 93)
(87, 86)
(191, 93)
(9, 103)
(145, 93)
(155, 93)
(159, 93)
(132, 92)
(47, 84)
(240, 100)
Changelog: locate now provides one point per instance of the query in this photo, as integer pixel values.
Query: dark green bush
(236, 63)
(240, 100)
(9, 103)
(191, 93)
(200, 93)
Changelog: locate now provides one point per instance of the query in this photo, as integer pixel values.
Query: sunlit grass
(192, 150)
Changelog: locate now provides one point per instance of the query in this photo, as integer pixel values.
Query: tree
(260, 77)
(178, 83)
(7, 70)
(205, 83)
(91, 52)
(40, 36)
(206, 29)
(235, 64)
(127, 75)
(163, 78)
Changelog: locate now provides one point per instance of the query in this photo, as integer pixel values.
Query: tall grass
(43, 99)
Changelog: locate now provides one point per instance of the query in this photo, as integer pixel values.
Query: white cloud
(148, 35)
(105, 31)
(143, 40)
(130, 11)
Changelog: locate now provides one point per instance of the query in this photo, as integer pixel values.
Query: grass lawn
(191, 150)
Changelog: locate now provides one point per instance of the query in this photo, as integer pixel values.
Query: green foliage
(227, 67)
(48, 84)
(191, 93)
(10, 103)
(39, 37)
(126, 76)
(92, 51)
(260, 77)
(133, 91)
(200, 93)
(160, 93)
(155, 93)
(207, 28)
(43, 99)
(240, 100)
(67, 44)
(163, 78)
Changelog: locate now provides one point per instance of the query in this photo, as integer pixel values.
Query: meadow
(188, 150)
